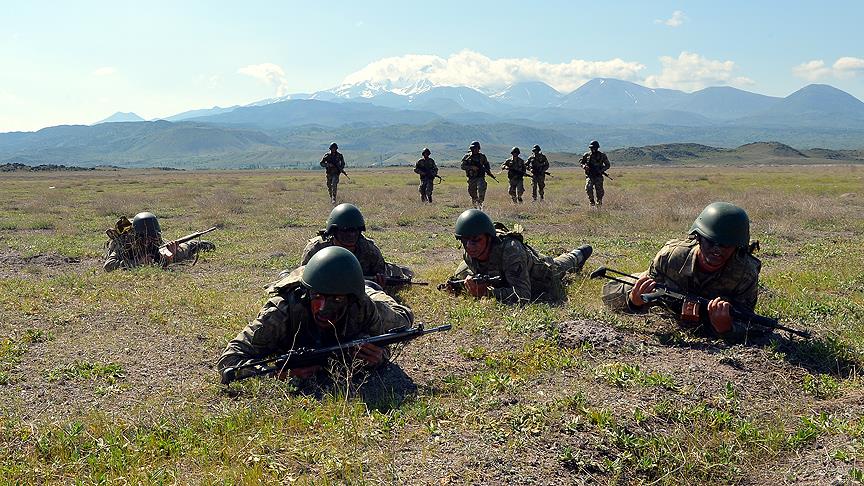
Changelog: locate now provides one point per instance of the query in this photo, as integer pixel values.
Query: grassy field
(109, 378)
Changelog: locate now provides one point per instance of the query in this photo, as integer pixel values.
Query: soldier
(713, 262)
(321, 304)
(137, 242)
(595, 163)
(428, 172)
(476, 167)
(334, 164)
(538, 164)
(516, 169)
(344, 228)
(526, 276)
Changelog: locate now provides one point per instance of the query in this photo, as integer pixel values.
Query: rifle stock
(304, 357)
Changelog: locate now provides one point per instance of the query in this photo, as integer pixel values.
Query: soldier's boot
(519, 199)
(429, 198)
(599, 201)
(513, 198)
(591, 200)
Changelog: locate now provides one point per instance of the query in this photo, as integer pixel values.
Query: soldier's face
(474, 150)
(711, 256)
(477, 247)
(347, 238)
(328, 309)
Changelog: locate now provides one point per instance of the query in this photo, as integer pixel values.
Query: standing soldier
(334, 164)
(515, 168)
(595, 163)
(476, 167)
(538, 164)
(428, 172)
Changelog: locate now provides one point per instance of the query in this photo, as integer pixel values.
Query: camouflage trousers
(593, 184)
(332, 185)
(477, 190)
(539, 183)
(426, 186)
(517, 188)
(570, 262)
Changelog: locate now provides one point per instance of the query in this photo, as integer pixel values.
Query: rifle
(394, 281)
(667, 297)
(457, 286)
(490, 174)
(342, 171)
(440, 179)
(608, 176)
(190, 237)
(303, 357)
(525, 174)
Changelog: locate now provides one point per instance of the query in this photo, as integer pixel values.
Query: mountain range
(382, 123)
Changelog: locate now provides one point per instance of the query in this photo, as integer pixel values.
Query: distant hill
(757, 153)
(121, 117)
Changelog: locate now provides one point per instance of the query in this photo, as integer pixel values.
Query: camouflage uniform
(516, 169)
(285, 322)
(594, 164)
(475, 167)
(538, 164)
(371, 260)
(675, 266)
(123, 252)
(427, 170)
(529, 276)
(334, 164)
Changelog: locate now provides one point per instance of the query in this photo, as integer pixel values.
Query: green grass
(496, 394)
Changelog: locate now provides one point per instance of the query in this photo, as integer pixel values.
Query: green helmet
(345, 216)
(723, 223)
(536, 148)
(515, 150)
(474, 144)
(146, 224)
(473, 222)
(334, 271)
(594, 144)
(333, 145)
(426, 151)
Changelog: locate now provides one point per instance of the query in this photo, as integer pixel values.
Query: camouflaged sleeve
(616, 296)
(390, 314)
(312, 247)
(264, 336)
(370, 257)
(113, 257)
(514, 268)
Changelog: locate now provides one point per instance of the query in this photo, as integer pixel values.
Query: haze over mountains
(382, 123)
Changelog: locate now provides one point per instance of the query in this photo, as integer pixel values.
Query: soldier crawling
(523, 275)
(139, 242)
(714, 262)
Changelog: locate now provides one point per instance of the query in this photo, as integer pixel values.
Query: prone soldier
(139, 242)
(334, 164)
(595, 163)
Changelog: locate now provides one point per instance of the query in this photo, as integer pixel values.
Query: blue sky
(78, 62)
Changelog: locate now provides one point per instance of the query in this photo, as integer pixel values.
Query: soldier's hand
(475, 288)
(719, 315)
(304, 372)
(373, 355)
(169, 251)
(644, 285)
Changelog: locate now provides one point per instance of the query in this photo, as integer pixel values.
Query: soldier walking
(538, 164)
(428, 172)
(334, 164)
(476, 166)
(515, 168)
(595, 163)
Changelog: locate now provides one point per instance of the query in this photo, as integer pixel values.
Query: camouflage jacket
(285, 322)
(122, 252)
(528, 276)
(538, 164)
(595, 164)
(475, 165)
(426, 168)
(333, 163)
(515, 167)
(675, 266)
(371, 260)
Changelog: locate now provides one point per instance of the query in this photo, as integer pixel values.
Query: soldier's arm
(341, 162)
(324, 161)
(466, 162)
(378, 267)
(261, 338)
(433, 168)
(514, 264)
(113, 260)
(606, 164)
(418, 168)
(544, 164)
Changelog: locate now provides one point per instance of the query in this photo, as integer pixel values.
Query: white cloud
(676, 20)
(105, 71)
(469, 68)
(844, 67)
(268, 73)
(691, 72)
